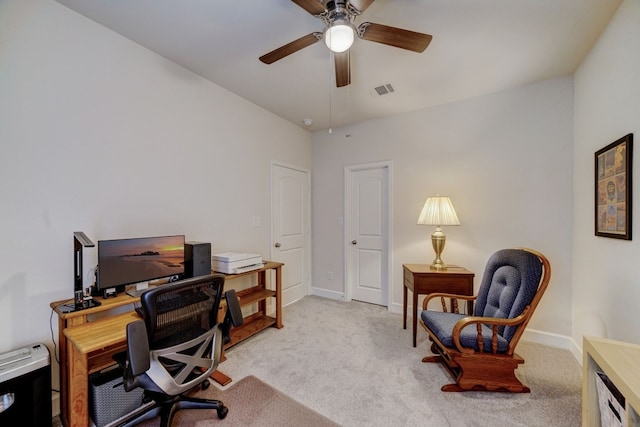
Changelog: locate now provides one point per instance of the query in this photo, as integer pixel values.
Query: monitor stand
(71, 307)
(135, 292)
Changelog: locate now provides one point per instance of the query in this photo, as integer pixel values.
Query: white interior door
(290, 229)
(367, 233)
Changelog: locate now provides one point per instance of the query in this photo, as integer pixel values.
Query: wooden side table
(420, 279)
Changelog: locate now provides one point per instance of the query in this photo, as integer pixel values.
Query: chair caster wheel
(205, 385)
(222, 412)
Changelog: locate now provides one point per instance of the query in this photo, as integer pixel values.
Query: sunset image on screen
(137, 260)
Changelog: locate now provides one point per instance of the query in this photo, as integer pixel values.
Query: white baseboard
(547, 338)
(325, 293)
(554, 340)
(397, 308)
(576, 350)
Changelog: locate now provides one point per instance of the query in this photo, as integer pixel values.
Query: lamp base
(438, 240)
(438, 267)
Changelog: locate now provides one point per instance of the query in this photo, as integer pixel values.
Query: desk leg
(414, 317)
(404, 307)
(262, 282)
(78, 388)
(64, 379)
(278, 297)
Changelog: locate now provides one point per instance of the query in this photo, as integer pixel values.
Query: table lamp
(438, 211)
(80, 240)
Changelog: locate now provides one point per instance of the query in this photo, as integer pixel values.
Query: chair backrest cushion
(509, 283)
(184, 336)
(180, 311)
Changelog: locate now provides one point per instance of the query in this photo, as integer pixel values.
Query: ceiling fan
(338, 17)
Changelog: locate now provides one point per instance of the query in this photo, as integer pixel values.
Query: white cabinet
(620, 361)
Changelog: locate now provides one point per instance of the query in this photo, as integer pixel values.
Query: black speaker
(197, 259)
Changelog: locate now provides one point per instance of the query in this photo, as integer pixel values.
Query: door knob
(354, 242)
(277, 245)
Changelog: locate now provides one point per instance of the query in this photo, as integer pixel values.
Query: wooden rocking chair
(479, 350)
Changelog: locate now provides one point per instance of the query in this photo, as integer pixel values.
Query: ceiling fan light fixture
(339, 36)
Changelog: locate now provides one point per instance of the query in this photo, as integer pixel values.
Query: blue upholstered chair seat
(441, 324)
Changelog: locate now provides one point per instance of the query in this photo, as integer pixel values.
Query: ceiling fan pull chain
(330, 87)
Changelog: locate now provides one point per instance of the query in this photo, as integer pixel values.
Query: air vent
(384, 89)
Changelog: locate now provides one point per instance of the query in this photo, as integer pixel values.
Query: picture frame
(613, 185)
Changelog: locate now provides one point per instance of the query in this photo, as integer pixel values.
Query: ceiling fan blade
(343, 72)
(361, 5)
(397, 37)
(290, 48)
(314, 7)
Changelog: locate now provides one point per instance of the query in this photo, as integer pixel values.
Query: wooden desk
(87, 346)
(69, 384)
(420, 279)
(90, 348)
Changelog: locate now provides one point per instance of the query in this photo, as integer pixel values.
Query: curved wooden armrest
(442, 296)
(493, 323)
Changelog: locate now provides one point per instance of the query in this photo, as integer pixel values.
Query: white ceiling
(478, 47)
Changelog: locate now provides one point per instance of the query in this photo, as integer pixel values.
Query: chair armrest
(137, 359)
(138, 356)
(443, 296)
(233, 316)
(491, 322)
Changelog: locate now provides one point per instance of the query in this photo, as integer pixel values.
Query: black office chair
(177, 346)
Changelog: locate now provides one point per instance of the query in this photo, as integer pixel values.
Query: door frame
(348, 222)
(308, 236)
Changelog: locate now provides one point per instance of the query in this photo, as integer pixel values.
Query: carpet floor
(251, 403)
(353, 363)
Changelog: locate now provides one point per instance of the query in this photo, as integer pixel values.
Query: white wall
(606, 285)
(100, 135)
(504, 159)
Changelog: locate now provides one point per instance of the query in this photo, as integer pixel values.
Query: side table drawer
(408, 279)
(459, 285)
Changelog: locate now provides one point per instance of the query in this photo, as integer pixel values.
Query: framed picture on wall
(613, 189)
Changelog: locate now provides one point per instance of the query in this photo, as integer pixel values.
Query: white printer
(235, 262)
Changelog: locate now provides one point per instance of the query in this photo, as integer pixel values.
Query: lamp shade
(339, 36)
(438, 211)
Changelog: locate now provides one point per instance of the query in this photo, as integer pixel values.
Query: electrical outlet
(330, 275)
(256, 221)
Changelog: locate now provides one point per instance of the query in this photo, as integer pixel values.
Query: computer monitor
(124, 262)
